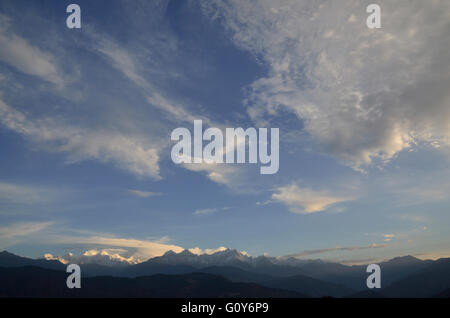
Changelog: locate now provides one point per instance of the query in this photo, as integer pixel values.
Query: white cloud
(209, 251)
(303, 200)
(219, 173)
(29, 59)
(144, 194)
(363, 95)
(131, 67)
(209, 210)
(205, 211)
(125, 151)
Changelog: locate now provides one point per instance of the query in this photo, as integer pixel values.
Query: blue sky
(364, 118)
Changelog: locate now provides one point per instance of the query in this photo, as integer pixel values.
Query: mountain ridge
(400, 276)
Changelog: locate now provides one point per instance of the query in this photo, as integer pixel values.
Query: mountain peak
(8, 254)
(169, 253)
(404, 260)
(186, 252)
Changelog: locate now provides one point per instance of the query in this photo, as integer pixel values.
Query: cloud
(427, 192)
(22, 229)
(362, 95)
(209, 251)
(144, 194)
(131, 68)
(140, 250)
(113, 249)
(205, 211)
(127, 152)
(415, 218)
(220, 173)
(306, 200)
(100, 248)
(19, 53)
(266, 202)
(22, 194)
(17, 232)
(333, 249)
(210, 210)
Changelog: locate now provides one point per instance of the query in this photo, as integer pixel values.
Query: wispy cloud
(24, 194)
(18, 232)
(210, 210)
(144, 194)
(303, 200)
(388, 237)
(415, 218)
(131, 67)
(125, 151)
(219, 173)
(19, 53)
(334, 249)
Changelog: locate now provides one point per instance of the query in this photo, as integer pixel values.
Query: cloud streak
(19, 53)
(144, 194)
(20, 231)
(334, 249)
(127, 152)
(305, 201)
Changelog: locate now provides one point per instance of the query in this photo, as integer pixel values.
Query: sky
(363, 114)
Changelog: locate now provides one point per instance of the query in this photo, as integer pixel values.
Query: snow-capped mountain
(194, 258)
(225, 257)
(105, 257)
(186, 257)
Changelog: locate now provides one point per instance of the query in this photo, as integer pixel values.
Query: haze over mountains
(227, 273)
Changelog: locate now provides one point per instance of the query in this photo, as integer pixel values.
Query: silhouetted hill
(404, 276)
(311, 286)
(38, 282)
(11, 260)
(354, 277)
(236, 274)
(444, 294)
(152, 268)
(429, 282)
(369, 293)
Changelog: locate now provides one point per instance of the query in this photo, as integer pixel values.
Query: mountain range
(227, 273)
